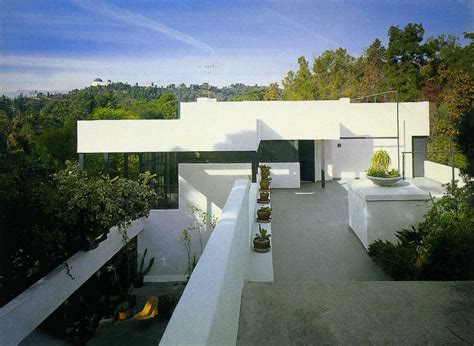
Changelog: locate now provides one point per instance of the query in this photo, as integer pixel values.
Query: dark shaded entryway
(306, 159)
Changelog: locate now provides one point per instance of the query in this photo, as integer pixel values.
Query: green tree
(105, 113)
(465, 140)
(299, 86)
(334, 75)
(369, 69)
(405, 58)
(272, 93)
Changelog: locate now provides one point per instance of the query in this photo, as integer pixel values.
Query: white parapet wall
(24, 313)
(442, 173)
(208, 311)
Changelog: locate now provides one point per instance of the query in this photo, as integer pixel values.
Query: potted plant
(378, 171)
(264, 171)
(263, 214)
(265, 183)
(261, 242)
(264, 197)
(123, 310)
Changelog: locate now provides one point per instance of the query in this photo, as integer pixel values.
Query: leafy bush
(92, 205)
(375, 172)
(49, 218)
(380, 160)
(379, 166)
(440, 248)
(397, 260)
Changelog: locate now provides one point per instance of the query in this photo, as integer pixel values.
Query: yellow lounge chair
(149, 311)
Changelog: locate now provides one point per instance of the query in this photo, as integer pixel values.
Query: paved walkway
(357, 313)
(311, 238)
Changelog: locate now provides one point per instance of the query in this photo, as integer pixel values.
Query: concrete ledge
(25, 312)
(401, 191)
(208, 311)
(164, 278)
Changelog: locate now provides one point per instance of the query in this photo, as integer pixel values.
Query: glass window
(278, 151)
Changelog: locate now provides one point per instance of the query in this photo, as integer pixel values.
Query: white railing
(208, 311)
(24, 313)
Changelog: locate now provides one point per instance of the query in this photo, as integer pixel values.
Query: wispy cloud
(136, 19)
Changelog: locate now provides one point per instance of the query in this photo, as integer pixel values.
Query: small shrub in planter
(123, 310)
(265, 184)
(264, 171)
(378, 171)
(261, 242)
(263, 214)
(264, 197)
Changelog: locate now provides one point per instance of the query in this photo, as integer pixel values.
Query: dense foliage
(439, 248)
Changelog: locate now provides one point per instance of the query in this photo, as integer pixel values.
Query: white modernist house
(198, 156)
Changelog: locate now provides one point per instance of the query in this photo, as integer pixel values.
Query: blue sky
(61, 45)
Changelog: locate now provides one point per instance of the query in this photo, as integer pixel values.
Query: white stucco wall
(203, 185)
(442, 173)
(370, 206)
(234, 126)
(208, 311)
(24, 313)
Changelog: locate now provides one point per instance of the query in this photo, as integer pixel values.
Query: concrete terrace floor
(311, 238)
(357, 313)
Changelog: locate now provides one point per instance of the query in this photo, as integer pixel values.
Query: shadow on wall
(265, 132)
(353, 156)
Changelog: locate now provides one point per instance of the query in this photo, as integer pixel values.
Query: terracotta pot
(261, 246)
(263, 215)
(123, 315)
(264, 196)
(264, 185)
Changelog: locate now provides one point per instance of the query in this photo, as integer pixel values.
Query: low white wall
(369, 206)
(208, 311)
(24, 313)
(442, 173)
(284, 174)
(203, 185)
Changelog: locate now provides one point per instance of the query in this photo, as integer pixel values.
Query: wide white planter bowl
(384, 181)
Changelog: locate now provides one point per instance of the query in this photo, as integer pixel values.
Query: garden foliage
(439, 248)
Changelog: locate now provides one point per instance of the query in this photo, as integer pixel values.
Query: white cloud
(136, 19)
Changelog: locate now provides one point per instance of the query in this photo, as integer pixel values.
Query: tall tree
(334, 75)
(299, 86)
(272, 93)
(369, 69)
(405, 57)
